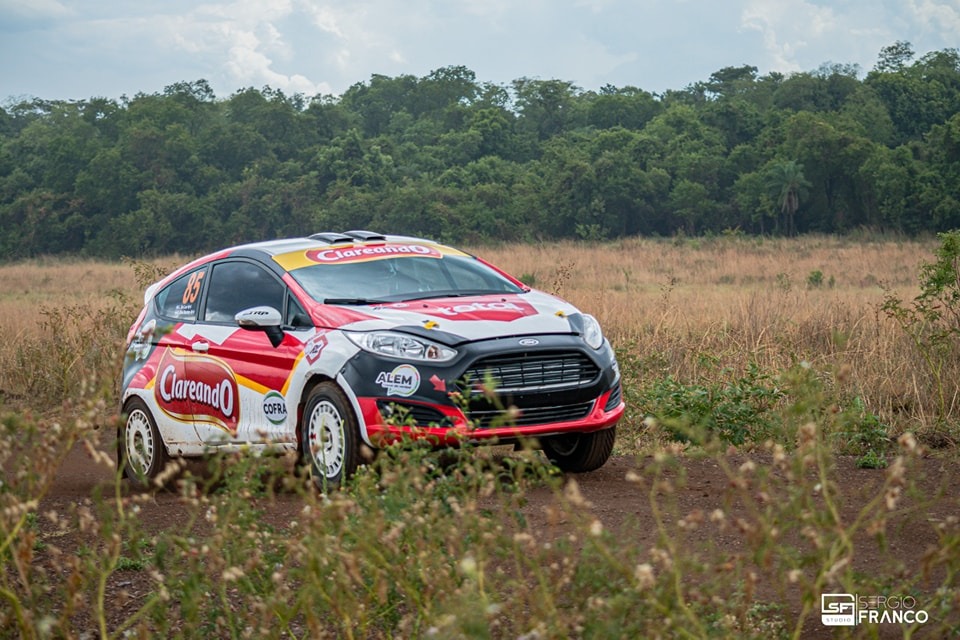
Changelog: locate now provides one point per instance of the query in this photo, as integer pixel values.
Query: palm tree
(787, 184)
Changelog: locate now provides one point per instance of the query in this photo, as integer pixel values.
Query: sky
(80, 49)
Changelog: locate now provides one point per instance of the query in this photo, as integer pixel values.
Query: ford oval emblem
(529, 342)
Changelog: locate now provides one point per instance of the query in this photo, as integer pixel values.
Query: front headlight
(401, 346)
(592, 334)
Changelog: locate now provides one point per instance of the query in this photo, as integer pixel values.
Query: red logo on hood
(496, 309)
(197, 388)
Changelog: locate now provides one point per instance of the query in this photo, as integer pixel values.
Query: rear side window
(235, 286)
(180, 299)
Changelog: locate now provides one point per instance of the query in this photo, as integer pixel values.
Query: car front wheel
(579, 452)
(142, 452)
(329, 437)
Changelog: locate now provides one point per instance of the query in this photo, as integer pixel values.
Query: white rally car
(320, 344)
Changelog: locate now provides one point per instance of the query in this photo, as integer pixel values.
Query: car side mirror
(266, 319)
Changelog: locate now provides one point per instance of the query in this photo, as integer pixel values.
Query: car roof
(281, 246)
(327, 239)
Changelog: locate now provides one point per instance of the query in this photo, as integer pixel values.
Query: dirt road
(622, 504)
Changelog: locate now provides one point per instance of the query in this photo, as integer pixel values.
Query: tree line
(460, 160)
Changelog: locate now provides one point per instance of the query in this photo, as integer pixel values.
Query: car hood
(461, 319)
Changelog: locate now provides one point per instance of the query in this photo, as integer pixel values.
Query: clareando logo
(847, 610)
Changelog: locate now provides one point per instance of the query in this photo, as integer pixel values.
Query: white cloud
(489, 9)
(78, 48)
(34, 9)
(595, 5)
(245, 40)
(791, 29)
(939, 17)
(325, 18)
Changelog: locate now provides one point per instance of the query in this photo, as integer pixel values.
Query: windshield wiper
(461, 294)
(356, 301)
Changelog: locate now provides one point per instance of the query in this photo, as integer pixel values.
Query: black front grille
(406, 413)
(531, 372)
(485, 418)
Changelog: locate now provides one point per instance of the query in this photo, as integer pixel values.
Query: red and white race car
(323, 343)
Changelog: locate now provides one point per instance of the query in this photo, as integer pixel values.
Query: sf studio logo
(847, 610)
(838, 609)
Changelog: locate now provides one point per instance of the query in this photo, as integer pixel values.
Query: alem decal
(402, 381)
(275, 407)
(191, 387)
(359, 254)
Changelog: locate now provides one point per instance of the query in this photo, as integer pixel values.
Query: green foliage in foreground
(932, 322)
(444, 544)
(425, 544)
(751, 409)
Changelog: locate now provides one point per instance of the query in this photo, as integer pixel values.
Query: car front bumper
(494, 389)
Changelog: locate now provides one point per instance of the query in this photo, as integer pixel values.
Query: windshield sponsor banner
(191, 387)
(361, 254)
(294, 260)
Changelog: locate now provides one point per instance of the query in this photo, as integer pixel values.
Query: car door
(243, 379)
(160, 356)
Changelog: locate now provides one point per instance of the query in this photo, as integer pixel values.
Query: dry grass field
(782, 346)
(699, 309)
(692, 309)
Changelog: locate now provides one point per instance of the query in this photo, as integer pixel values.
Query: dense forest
(456, 159)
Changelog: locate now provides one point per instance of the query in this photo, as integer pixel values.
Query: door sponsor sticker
(275, 407)
(191, 387)
(404, 380)
(142, 344)
(315, 346)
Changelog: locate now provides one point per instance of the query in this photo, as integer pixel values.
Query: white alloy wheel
(325, 439)
(329, 436)
(142, 451)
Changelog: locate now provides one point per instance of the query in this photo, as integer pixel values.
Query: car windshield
(401, 278)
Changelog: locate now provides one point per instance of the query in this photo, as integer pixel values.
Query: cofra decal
(275, 407)
(198, 388)
(404, 380)
(356, 254)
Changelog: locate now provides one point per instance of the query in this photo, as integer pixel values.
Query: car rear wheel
(329, 437)
(142, 452)
(579, 452)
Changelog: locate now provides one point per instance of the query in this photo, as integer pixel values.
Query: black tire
(329, 437)
(579, 452)
(143, 454)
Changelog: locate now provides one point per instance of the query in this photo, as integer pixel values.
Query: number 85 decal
(193, 287)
